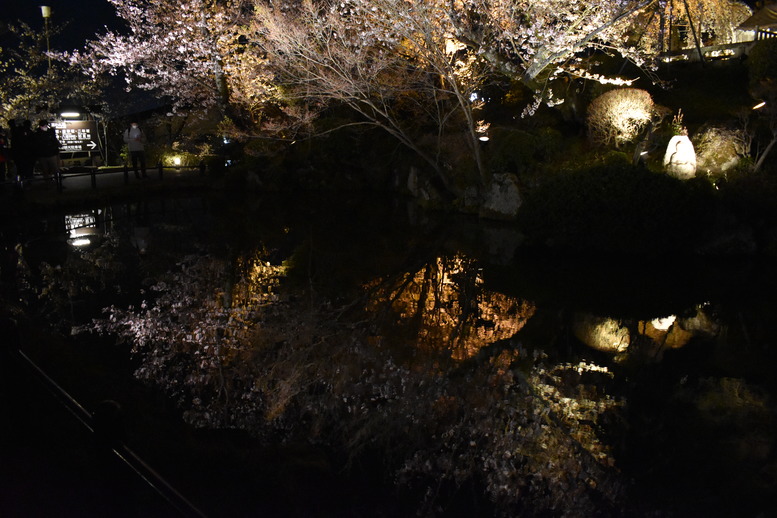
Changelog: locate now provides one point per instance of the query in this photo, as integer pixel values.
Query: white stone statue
(680, 157)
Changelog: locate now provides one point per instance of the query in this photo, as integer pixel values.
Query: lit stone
(502, 198)
(663, 323)
(601, 333)
(680, 158)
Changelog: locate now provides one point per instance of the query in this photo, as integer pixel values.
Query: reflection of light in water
(261, 281)
(76, 224)
(446, 307)
(80, 227)
(662, 324)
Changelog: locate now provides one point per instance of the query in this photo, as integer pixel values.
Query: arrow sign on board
(91, 144)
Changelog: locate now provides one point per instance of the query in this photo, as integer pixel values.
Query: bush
(515, 151)
(619, 116)
(619, 209)
(762, 62)
(719, 149)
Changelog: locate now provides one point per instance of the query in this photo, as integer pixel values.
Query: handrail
(121, 450)
(94, 172)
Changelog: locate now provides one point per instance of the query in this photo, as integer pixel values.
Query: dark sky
(85, 17)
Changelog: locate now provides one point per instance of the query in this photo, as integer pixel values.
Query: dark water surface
(354, 357)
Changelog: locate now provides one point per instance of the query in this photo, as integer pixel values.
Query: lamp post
(45, 11)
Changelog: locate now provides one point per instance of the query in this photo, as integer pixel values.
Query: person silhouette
(136, 139)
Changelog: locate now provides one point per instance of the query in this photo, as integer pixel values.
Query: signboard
(77, 136)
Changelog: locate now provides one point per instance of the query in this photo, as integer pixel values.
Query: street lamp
(45, 11)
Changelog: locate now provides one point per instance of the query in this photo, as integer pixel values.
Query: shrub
(619, 116)
(719, 150)
(620, 209)
(516, 151)
(762, 62)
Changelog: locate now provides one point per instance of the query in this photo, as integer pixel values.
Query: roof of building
(765, 17)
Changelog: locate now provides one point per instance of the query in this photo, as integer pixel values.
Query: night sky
(85, 17)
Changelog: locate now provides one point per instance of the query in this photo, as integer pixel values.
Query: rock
(501, 198)
(421, 189)
(672, 336)
(680, 158)
(601, 333)
(719, 150)
(700, 324)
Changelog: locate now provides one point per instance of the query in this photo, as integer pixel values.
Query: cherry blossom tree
(391, 61)
(674, 25)
(370, 54)
(529, 41)
(410, 67)
(31, 86)
(187, 51)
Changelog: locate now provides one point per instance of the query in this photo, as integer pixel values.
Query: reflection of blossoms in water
(192, 331)
(447, 301)
(271, 362)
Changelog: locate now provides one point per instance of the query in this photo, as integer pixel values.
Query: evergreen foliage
(619, 208)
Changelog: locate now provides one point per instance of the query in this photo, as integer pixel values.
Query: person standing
(22, 149)
(136, 139)
(47, 150)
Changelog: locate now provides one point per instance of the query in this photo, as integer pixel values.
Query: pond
(312, 356)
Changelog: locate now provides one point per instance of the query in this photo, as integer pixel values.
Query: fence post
(94, 178)
(202, 167)
(159, 165)
(126, 173)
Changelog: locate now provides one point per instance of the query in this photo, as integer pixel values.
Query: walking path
(82, 182)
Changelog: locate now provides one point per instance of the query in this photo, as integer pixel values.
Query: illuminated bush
(719, 150)
(619, 116)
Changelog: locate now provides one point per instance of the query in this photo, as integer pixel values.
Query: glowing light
(482, 128)
(759, 105)
(663, 324)
(80, 242)
(725, 53)
(70, 115)
(679, 57)
(680, 157)
(176, 161)
(599, 78)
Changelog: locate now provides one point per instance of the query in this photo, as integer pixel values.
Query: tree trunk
(693, 31)
(763, 156)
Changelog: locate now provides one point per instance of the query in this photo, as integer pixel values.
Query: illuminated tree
(370, 54)
(531, 41)
(30, 87)
(186, 51)
(679, 24)
(392, 61)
